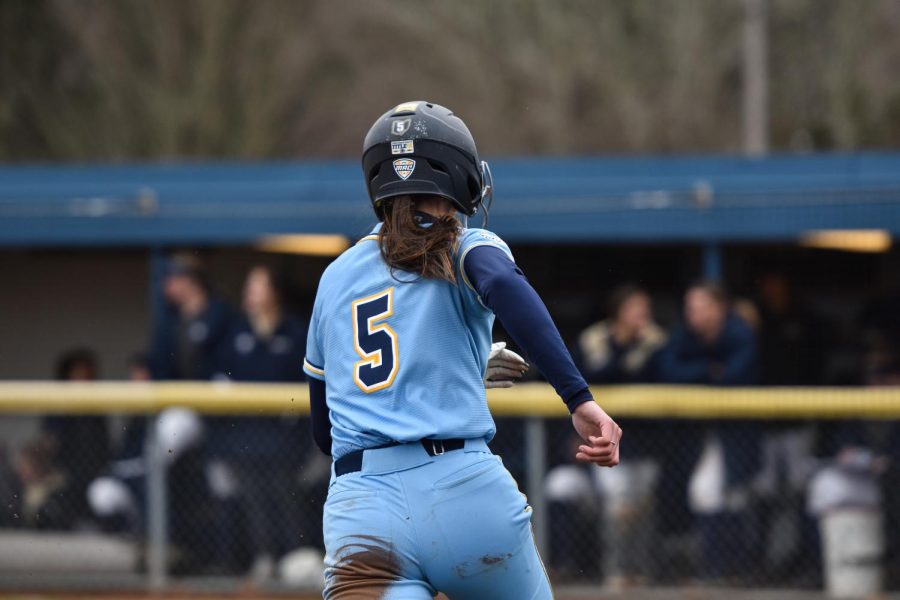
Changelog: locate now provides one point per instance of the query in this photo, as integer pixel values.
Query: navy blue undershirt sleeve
(318, 412)
(504, 289)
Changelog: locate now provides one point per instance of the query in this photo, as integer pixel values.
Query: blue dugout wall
(554, 200)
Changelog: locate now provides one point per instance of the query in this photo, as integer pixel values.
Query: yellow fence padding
(530, 399)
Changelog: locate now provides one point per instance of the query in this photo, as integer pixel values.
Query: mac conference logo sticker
(404, 167)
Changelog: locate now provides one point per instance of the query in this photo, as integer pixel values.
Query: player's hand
(503, 367)
(600, 433)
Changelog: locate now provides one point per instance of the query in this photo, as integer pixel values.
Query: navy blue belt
(352, 461)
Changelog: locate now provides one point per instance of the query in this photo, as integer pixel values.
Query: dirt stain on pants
(365, 569)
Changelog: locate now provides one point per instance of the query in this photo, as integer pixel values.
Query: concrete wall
(54, 300)
(51, 301)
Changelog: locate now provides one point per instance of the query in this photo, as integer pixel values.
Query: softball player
(398, 347)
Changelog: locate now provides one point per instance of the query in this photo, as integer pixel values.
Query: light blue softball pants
(409, 525)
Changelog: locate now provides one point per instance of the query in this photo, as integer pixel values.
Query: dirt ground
(586, 593)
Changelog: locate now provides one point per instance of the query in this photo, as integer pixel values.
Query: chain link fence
(750, 503)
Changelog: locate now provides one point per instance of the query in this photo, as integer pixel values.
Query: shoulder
(654, 336)
(598, 333)
(347, 259)
(474, 237)
(354, 263)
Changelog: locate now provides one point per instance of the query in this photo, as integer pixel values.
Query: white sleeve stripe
(311, 368)
(311, 375)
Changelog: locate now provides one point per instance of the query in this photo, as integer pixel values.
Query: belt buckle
(435, 444)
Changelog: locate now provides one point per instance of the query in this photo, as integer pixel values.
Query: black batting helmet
(423, 148)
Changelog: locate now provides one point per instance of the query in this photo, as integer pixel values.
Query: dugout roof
(559, 200)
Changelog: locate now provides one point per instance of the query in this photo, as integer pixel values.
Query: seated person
(624, 348)
(76, 446)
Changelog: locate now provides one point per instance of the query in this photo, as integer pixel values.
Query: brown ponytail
(425, 251)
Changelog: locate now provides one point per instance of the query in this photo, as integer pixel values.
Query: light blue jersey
(402, 357)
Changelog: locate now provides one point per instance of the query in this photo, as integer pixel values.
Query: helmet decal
(403, 147)
(406, 107)
(400, 126)
(404, 167)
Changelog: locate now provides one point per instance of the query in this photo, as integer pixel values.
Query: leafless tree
(166, 79)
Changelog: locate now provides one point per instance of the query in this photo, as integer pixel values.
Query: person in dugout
(264, 343)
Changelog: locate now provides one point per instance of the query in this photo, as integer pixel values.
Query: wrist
(581, 397)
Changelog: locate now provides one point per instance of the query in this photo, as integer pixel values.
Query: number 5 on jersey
(374, 342)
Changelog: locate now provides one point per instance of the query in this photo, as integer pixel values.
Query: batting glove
(503, 367)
